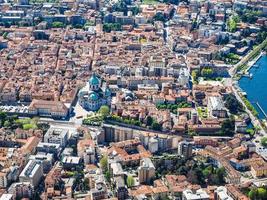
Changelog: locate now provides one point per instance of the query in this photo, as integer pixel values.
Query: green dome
(94, 80)
(107, 92)
(93, 96)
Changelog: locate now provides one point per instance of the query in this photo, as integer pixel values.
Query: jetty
(261, 109)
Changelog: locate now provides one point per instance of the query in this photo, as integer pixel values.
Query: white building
(221, 194)
(153, 145)
(56, 136)
(32, 173)
(45, 158)
(216, 107)
(93, 96)
(197, 195)
(6, 197)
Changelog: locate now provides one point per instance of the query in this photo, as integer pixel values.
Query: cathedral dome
(93, 96)
(94, 80)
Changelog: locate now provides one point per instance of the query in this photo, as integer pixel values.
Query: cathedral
(93, 95)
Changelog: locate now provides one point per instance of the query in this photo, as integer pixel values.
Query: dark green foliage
(233, 104)
(159, 17)
(228, 127)
(58, 25)
(207, 72)
(108, 27)
(257, 193)
(156, 126)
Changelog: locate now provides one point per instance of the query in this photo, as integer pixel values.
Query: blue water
(256, 88)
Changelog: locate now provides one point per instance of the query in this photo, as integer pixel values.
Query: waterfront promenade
(254, 119)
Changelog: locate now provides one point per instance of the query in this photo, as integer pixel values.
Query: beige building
(55, 109)
(146, 171)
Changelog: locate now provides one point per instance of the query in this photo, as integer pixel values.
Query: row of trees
(150, 122)
(108, 27)
(173, 107)
(13, 122)
(257, 193)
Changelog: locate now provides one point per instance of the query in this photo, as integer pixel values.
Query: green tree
(7, 124)
(130, 181)
(5, 35)
(264, 141)
(207, 72)
(194, 76)
(159, 16)
(232, 23)
(233, 104)
(253, 194)
(58, 25)
(104, 111)
(108, 175)
(149, 121)
(104, 163)
(262, 193)
(228, 127)
(156, 126)
(108, 27)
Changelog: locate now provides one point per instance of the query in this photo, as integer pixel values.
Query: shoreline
(239, 93)
(253, 62)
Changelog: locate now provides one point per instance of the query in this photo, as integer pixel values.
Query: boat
(250, 75)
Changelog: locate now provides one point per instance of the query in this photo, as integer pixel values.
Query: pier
(261, 109)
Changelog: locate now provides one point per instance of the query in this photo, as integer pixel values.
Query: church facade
(94, 95)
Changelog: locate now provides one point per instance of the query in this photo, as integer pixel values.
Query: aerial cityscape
(133, 99)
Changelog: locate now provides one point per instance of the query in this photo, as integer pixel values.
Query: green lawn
(149, 2)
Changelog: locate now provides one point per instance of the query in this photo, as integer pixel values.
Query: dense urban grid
(131, 99)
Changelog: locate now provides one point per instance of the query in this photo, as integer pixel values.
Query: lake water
(256, 88)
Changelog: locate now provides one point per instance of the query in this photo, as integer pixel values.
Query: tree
(207, 72)
(264, 141)
(130, 181)
(156, 126)
(104, 163)
(159, 17)
(149, 121)
(194, 76)
(7, 124)
(262, 193)
(58, 25)
(228, 127)
(232, 23)
(233, 104)
(104, 111)
(253, 193)
(108, 27)
(108, 175)
(5, 35)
